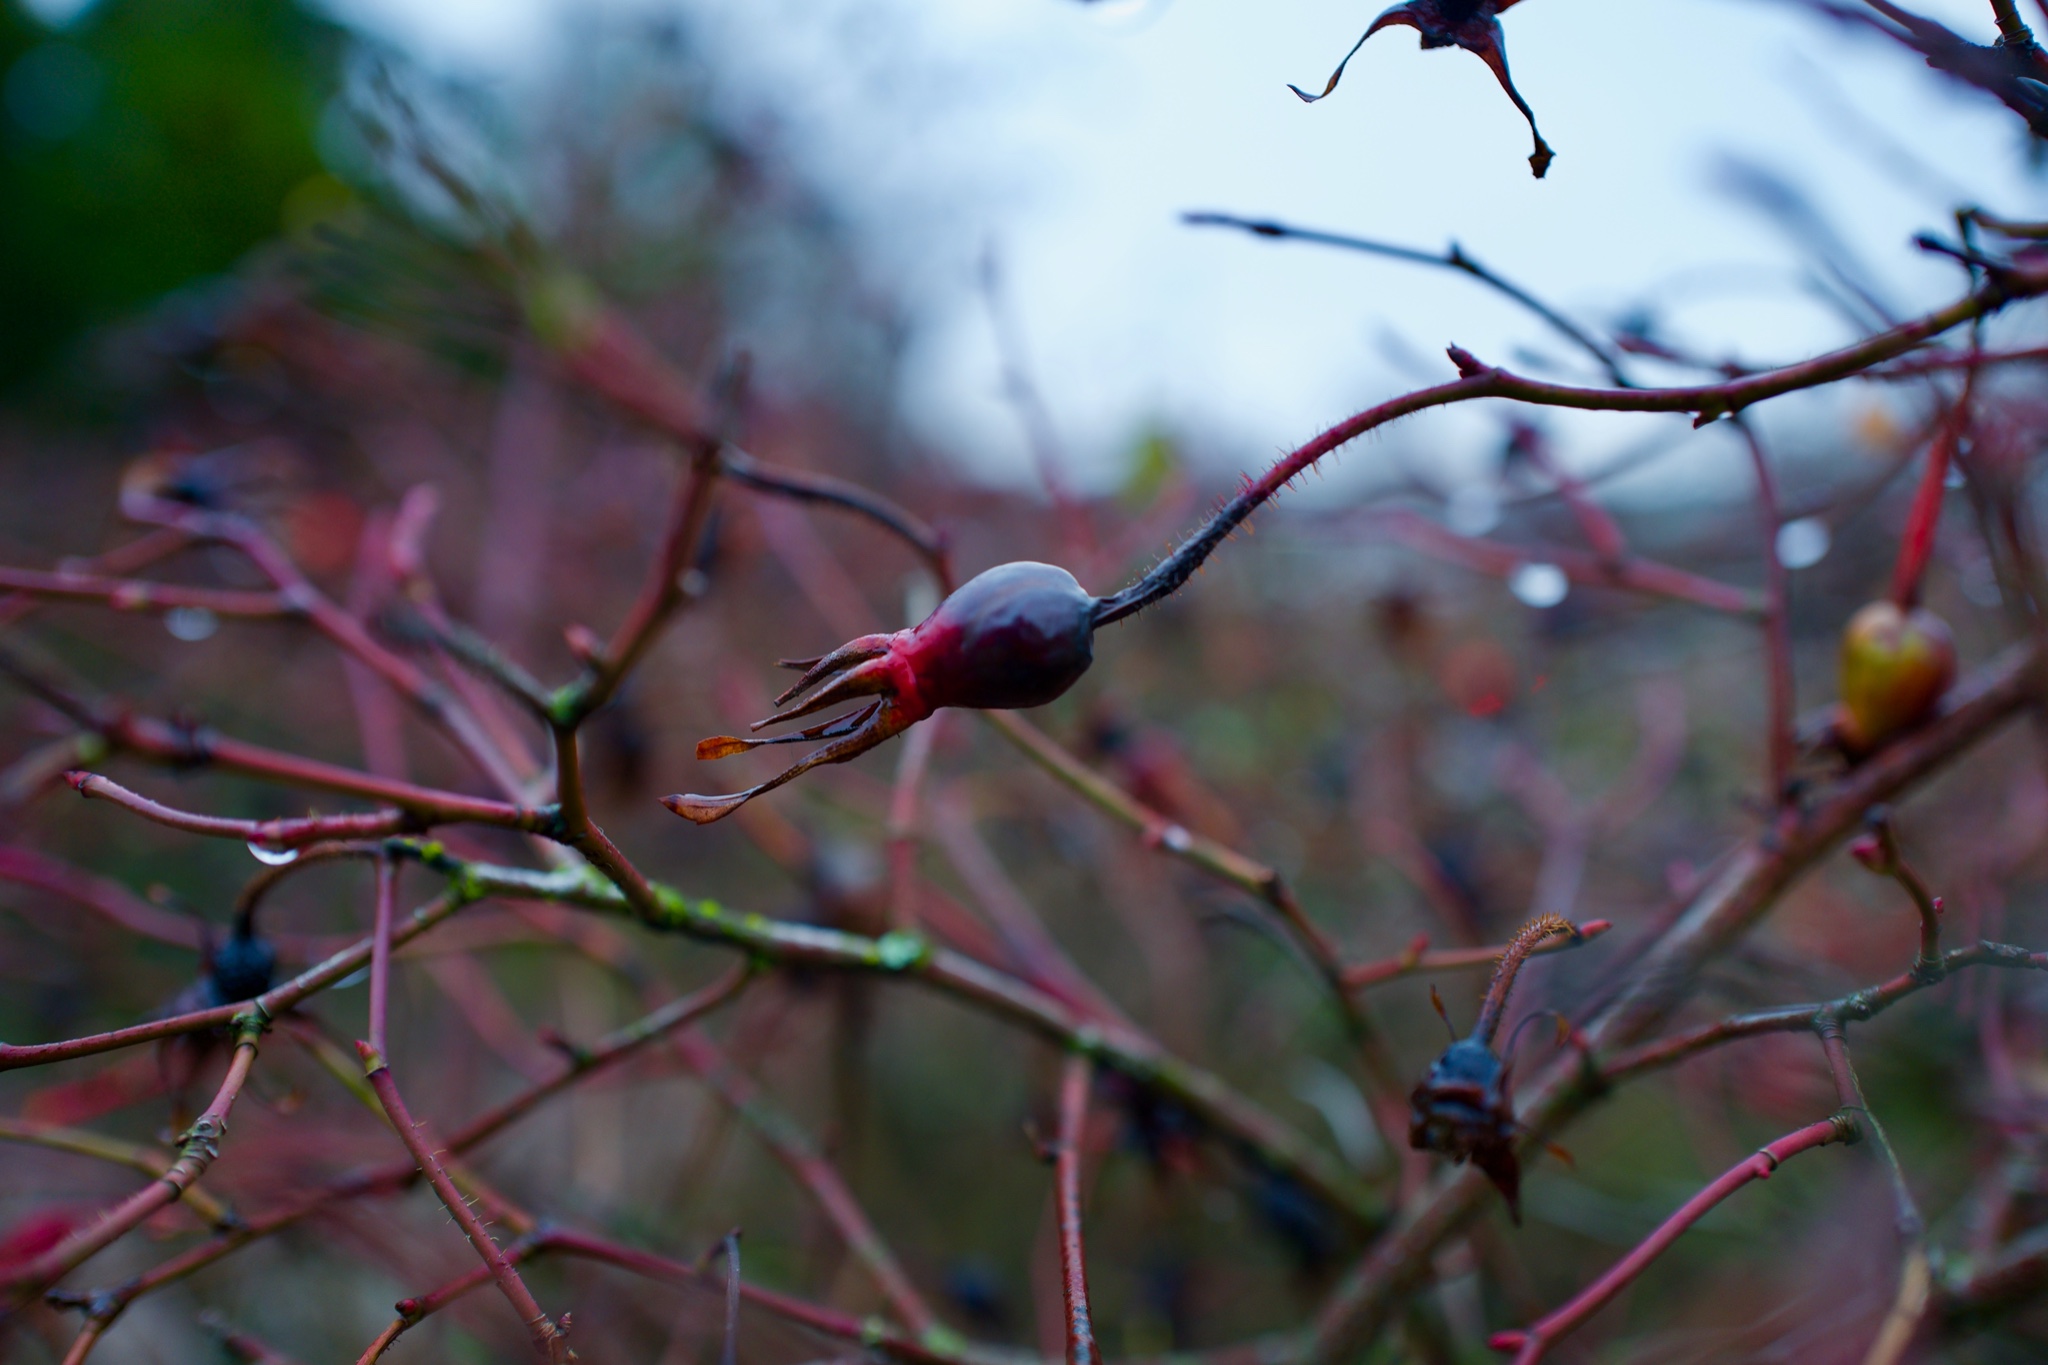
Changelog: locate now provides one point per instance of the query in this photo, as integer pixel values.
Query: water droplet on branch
(1803, 543)
(191, 624)
(1539, 585)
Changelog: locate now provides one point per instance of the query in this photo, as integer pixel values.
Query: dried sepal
(1473, 25)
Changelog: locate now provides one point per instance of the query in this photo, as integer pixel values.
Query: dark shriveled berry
(1016, 636)
(242, 968)
(1464, 1108)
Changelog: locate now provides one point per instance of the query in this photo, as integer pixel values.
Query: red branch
(198, 1149)
(380, 953)
(1916, 544)
(426, 808)
(1075, 1079)
(549, 1344)
(1418, 958)
(129, 594)
(1530, 1344)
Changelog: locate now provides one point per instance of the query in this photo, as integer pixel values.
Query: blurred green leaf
(146, 145)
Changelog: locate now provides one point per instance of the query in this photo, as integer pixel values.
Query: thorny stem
(1076, 1076)
(1708, 402)
(1419, 958)
(549, 1344)
(1741, 893)
(1244, 1123)
(1530, 1344)
(1976, 705)
(1527, 939)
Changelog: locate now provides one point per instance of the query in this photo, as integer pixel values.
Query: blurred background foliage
(146, 145)
(222, 234)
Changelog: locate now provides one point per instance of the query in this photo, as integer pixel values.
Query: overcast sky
(1073, 136)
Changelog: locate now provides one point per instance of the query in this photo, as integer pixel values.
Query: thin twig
(1878, 850)
(1856, 1007)
(131, 594)
(1530, 1343)
(197, 1149)
(281, 834)
(1776, 617)
(134, 1155)
(380, 954)
(1419, 958)
(802, 1159)
(1454, 258)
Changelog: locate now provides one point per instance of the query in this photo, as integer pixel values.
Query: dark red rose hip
(1016, 636)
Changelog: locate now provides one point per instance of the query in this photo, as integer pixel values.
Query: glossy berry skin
(1462, 1110)
(242, 969)
(1018, 635)
(1895, 667)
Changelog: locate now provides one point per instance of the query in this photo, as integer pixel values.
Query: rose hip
(1896, 664)
(1016, 636)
